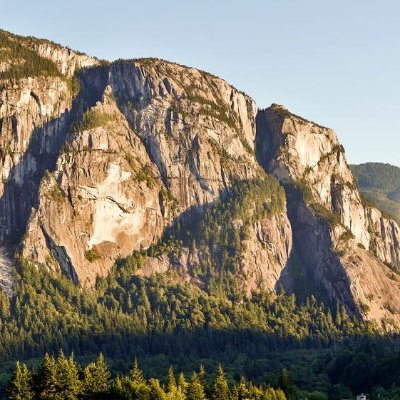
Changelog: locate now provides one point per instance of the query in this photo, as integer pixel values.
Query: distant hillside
(381, 184)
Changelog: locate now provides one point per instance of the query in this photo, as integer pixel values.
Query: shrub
(92, 119)
(56, 194)
(146, 175)
(321, 212)
(364, 307)
(346, 236)
(92, 255)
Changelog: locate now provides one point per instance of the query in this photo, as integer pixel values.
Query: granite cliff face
(341, 241)
(92, 171)
(311, 155)
(141, 143)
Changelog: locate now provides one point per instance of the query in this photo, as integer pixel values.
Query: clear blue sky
(334, 62)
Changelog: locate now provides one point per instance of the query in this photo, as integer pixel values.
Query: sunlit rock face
(92, 172)
(346, 246)
(162, 146)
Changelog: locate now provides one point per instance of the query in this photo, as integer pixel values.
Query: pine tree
(136, 373)
(171, 380)
(21, 384)
(220, 389)
(241, 391)
(96, 378)
(137, 383)
(202, 375)
(122, 387)
(156, 391)
(47, 378)
(195, 390)
(285, 382)
(182, 383)
(174, 391)
(68, 384)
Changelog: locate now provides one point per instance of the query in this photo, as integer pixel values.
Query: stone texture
(309, 156)
(165, 141)
(168, 146)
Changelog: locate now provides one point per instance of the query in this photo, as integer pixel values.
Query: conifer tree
(171, 380)
(137, 383)
(68, 383)
(241, 391)
(20, 387)
(96, 378)
(156, 391)
(47, 378)
(279, 395)
(195, 390)
(202, 375)
(136, 373)
(122, 387)
(174, 391)
(182, 383)
(285, 382)
(220, 389)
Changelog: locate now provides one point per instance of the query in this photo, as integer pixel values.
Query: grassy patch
(92, 255)
(92, 119)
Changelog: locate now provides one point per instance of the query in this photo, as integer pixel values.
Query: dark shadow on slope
(313, 267)
(21, 189)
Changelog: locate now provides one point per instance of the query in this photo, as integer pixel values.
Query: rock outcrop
(161, 140)
(99, 159)
(332, 228)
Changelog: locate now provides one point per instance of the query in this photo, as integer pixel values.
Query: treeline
(377, 176)
(23, 62)
(146, 315)
(62, 378)
(129, 315)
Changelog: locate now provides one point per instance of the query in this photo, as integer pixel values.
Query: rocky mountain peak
(100, 160)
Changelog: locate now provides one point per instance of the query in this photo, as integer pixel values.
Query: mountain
(151, 209)
(101, 159)
(380, 183)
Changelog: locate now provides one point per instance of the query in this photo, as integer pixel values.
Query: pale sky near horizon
(334, 62)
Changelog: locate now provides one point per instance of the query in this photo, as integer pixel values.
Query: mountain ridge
(144, 142)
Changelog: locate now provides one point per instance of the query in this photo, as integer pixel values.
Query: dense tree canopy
(166, 321)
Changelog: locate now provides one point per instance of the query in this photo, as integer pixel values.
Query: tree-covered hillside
(164, 320)
(380, 183)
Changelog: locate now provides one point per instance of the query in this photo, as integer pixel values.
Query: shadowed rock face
(331, 227)
(311, 156)
(90, 177)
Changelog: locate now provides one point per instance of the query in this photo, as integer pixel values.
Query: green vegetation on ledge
(92, 119)
(220, 232)
(23, 61)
